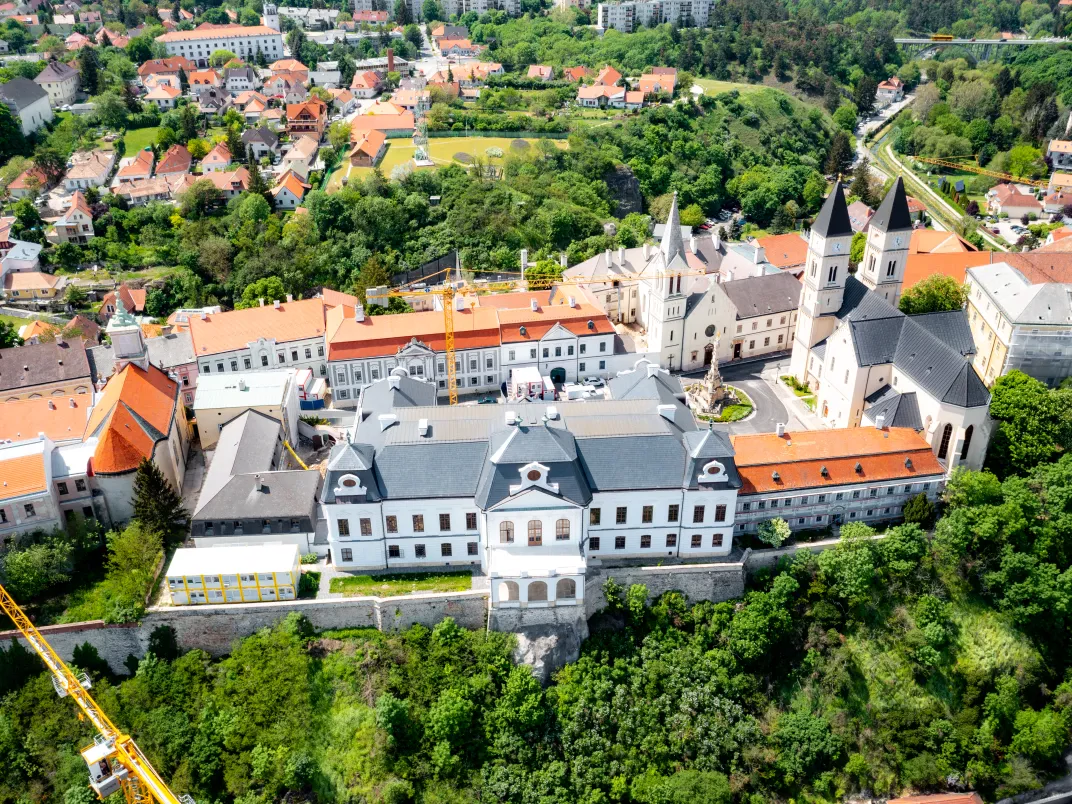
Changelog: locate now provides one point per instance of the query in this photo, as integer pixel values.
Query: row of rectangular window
(512, 354)
(647, 514)
(755, 324)
(789, 502)
(446, 550)
(820, 519)
(79, 485)
(238, 527)
(645, 541)
(280, 357)
(391, 523)
(535, 532)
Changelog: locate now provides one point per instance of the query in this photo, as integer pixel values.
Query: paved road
(770, 411)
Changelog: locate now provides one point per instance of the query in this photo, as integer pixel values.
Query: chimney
(780, 429)
(386, 420)
(716, 241)
(667, 411)
(393, 380)
(422, 427)
(242, 385)
(880, 421)
(290, 298)
(261, 301)
(572, 301)
(647, 252)
(693, 242)
(524, 261)
(551, 412)
(562, 258)
(276, 304)
(459, 302)
(511, 418)
(607, 255)
(390, 59)
(258, 483)
(70, 402)
(359, 312)
(759, 255)
(652, 369)
(621, 255)
(534, 305)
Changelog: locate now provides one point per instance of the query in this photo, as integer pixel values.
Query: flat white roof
(262, 558)
(249, 390)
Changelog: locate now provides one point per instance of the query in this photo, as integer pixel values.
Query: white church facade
(868, 362)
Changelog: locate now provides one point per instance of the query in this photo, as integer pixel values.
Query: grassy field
(17, 322)
(140, 138)
(443, 149)
(403, 583)
(713, 87)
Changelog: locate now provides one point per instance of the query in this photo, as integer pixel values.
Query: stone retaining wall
(715, 582)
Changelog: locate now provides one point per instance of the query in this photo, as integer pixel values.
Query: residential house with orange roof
(541, 72)
(599, 96)
(1060, 182)
(138, 416)
(343, 100)
(139, 166)
(457, 48)
(1059, 152)
(931, 241)
(159, 188)
(77, 41)
(280, 333)
(658, 81)
(1007, 199)
(1057, 201)
(28, 500)
(106, 38)
(815, 479)
(367, 84)
(369, 149)
(75, 225)
(33, 286)
(218, 159)
(370, 16)
(175, 161)
(163, 96)
(28, 183)
(576, 73)
(253, 107)
(89, 169)
(788, 252)
(289, 191)
(230, 183)
(291, 66)
(384, 116)
(56, 368)
(36, 330)
(300, 158)
(308, 118)
(171, 66)
(205, 78)
(890, 91)
(133, 300)
(608, 77)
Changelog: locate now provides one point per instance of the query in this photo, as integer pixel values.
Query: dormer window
(713, 472)
(534, 474)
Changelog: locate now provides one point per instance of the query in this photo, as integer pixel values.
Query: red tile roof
(785, 250)
(134, 413)
(23, 474)
(385, 334)
(226, 332)
(769, 462)
(65, 420)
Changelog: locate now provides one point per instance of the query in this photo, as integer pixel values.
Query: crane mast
(449, 291)
(114, 760)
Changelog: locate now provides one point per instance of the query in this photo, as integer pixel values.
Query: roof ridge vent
(552, 412)
(859, 468)
(824, 471)
(667, 411)
(776, 477)
(907, 463)
(511, 418)
(422, 427)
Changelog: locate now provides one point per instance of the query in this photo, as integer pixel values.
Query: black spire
(833, 218)
(893, 212)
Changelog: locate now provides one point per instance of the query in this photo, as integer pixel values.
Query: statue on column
(710, 395)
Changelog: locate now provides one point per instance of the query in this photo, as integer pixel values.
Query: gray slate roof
(165, 352)
(380, 397)
(248, 444)
(833, 218)
(758, 295)
(898, 410)
(55, 71)
(704, 446)
(263, 134)
(640, 384)
(892, 214)
(18, 93)
(40, 363)
(283, 495)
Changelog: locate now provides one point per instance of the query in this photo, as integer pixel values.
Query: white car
(595, 382)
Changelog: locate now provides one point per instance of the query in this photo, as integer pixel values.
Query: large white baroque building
(243, 40)
(870, 363)
(535, 494)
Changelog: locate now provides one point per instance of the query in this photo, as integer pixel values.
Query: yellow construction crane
(114, 760)
(952, 164)
(447, 292)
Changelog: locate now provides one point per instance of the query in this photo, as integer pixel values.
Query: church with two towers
(870, 364)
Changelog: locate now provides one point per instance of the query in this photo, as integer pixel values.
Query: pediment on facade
(414, 348)
(533, 498)
(557, 332)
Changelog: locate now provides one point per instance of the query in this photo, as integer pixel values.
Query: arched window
(537, 591)
(535, 532)
(509, 590)
(943, 446)
(566, 589)
(967, 442)
(562, 530)
(506, 532)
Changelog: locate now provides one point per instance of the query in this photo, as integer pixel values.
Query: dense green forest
(914, 662)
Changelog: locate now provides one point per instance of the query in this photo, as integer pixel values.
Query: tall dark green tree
(157, 506)
(863, 94)
(840, 156)
(402, 13)
(89, 69)
(12, 143)
(9, 336)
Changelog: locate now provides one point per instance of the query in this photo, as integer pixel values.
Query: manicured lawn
(403, 583)
(801, 391)
(140, 138)
(442, 151)
(17, 322)
(732, 413)
(713, 87)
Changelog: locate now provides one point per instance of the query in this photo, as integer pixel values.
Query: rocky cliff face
(624, 190)
(548, 647)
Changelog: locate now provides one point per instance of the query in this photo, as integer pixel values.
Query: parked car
(595, 382)
(487, 400)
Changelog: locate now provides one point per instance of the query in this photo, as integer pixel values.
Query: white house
(28, 102)
(61, 82)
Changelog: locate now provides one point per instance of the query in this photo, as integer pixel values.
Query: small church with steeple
(870, 364)
(663, 289)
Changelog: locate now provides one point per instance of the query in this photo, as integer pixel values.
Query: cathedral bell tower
(888, 235)
(825, 273)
